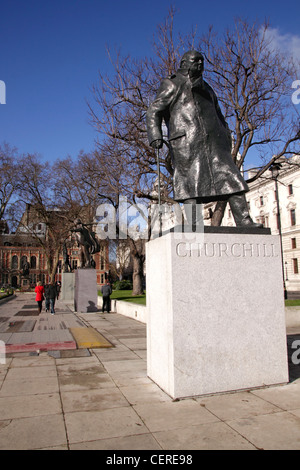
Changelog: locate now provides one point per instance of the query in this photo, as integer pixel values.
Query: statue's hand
(157, 144)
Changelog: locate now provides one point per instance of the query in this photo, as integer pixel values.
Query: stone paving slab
(28, 406)
(93, 425)
(33, 433)
(280, 431)
(209, 436)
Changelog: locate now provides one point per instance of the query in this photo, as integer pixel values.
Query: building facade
(23, 261)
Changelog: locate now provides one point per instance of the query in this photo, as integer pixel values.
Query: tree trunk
(138, 275)
(218, 213)
(52, 263)
(53, 271)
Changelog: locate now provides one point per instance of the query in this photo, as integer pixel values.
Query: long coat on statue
(199, 138)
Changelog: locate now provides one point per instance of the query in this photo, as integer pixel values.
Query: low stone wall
(292, 317)
(128, 309)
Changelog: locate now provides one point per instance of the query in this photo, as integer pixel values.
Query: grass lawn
(292, 302)
(126, 296)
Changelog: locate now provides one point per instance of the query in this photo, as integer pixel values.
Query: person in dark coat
(47, 298)
(106, 292)
(52, 294)
(200, 140)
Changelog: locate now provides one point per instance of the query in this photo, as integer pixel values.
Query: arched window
(14, 262)
(102, 264)
(23, 261)
(33, 262)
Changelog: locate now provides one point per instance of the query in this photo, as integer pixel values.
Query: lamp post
(275, 173)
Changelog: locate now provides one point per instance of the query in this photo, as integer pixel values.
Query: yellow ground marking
(89, 338)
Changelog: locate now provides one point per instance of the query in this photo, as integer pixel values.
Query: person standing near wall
(106, 292)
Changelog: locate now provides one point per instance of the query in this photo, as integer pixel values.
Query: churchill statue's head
(192, 62)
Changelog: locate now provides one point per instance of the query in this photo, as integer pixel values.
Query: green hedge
(122, 285)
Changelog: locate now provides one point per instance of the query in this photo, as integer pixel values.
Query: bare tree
(108, 173)
(120, 262)
(37, 191)
(9, 178)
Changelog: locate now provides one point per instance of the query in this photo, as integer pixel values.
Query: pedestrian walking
(47, 298)
(40, 292)
(106, 292)
(52, 291)
(57, 289)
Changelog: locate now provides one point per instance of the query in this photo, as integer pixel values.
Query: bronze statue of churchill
(200, 140)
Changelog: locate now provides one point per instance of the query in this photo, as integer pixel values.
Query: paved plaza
(69, 397)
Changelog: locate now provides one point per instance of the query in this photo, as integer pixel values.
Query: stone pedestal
(67, 287)
(216, 319)
(85, 290)
(25, 283)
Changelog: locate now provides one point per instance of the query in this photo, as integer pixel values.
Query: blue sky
(51, 52)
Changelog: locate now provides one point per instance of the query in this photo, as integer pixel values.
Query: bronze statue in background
(87, 242)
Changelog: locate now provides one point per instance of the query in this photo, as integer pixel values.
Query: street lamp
(275, 173)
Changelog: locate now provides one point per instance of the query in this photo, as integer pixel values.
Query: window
(293, 216)
(14, 262)
(295, 266)
(33, 262)
(266, 221)
(101, 263)
(294, 244)
(261, 200)
(290, 189)
(263, 219)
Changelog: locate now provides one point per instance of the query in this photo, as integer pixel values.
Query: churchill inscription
(235, 250)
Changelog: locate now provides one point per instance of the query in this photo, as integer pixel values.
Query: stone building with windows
(262, 203)
(23, 261)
